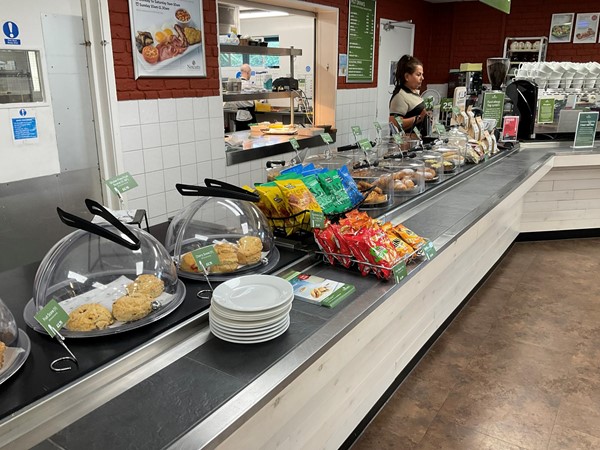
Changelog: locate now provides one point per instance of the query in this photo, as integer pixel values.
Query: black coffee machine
(523, 96)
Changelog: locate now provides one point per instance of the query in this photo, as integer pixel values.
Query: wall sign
(11, 31)
(561, 28)
(361, 41)
(167, 38)
(24, 126)
(546, 110)
(586, 28)
(502, 5)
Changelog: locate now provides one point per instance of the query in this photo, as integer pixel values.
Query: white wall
(33, 159)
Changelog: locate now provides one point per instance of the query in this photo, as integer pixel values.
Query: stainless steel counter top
(212, 386)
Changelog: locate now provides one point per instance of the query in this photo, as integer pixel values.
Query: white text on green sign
(327, 138)
(121, 183)
(52, 317)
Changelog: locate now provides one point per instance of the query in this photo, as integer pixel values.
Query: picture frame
(561, 28)
(167, 39)
(585, 30)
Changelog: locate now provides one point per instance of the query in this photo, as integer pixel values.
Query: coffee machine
(523, 96)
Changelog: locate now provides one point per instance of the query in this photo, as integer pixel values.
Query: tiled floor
(519, 367)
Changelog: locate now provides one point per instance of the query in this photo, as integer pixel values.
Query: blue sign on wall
(11, 31)
(24, 127)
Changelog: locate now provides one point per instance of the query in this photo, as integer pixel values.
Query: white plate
(237, 340)
(251, 316)
(251, 333)
(253, 293)
(242, 324)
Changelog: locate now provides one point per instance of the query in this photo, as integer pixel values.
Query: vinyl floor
(518, 368)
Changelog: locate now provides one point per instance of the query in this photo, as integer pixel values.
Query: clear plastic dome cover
(237, 230)
(8, 327)
(85, 268)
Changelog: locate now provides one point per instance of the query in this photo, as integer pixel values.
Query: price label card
(585, 133)
(441, 129)
(294, 143)
(356, 131)
(365, 144)
(446, 104)
(377, 126)
(206, 256)
(121, 183)
(429, 250)
(399, 271)
(317, 219)
(428, 103)
(327, 138)
(417, 132)
(455, 110)
(397, 138)
(52, 317)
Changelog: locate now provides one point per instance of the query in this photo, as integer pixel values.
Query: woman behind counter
(407, 109)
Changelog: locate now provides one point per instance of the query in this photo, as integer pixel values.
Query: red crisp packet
(382, 253)
(326, 241)
(342, 246)
(358, 247)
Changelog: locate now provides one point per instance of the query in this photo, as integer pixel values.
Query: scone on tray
(147, 284)
(249, 250)
(132, 307)
(228, 260)
(88, 317)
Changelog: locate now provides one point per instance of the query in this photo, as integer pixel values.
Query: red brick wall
(477, 31)
(148, 88)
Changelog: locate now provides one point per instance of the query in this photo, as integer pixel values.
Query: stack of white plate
(251, 309)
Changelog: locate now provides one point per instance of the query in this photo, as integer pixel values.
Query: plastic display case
(453, 159)
(16, 344)
(226, 220)
(90, 270)
(377, 183)
(408, 175)
(434, 166)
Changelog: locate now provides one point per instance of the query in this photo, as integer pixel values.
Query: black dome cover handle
(132, 243)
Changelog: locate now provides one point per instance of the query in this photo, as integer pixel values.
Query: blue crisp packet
(315, 171)
(294, 169)
(350, 185)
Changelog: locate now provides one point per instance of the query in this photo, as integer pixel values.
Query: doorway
(395, 39)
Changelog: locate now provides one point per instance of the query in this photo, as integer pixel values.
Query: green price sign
(446, 104)
(399, 271)
(365, 144)
(429, 250)
(441, 129)
(428, 101)
(294, 143)
(121, 183)
(317, 219)
(356, 131)
(327, 138)
(377, 126)
(585, 133)
(455, 110)
(52, 317)
(545, 110)
(417, 132)
(397, 138)
(206, 256)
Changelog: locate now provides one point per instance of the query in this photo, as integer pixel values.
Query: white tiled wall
(166, 141)
(355, 107)
(565, 199)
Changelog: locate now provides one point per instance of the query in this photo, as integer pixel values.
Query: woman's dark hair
(407, 65)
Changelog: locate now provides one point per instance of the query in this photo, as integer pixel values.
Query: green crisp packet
(332, 184)
(323, 199)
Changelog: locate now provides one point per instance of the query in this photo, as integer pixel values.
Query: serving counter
(180, 387)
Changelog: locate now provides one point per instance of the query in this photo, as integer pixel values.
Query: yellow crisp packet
(270, 195)
(297, 196)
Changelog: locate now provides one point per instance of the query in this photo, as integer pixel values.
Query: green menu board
(361, 41)
(493, 106)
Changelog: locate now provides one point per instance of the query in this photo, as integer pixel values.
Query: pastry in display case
(434, 166)
(107, 276)
(14, 344)
(408, 175)
(453, 158)
(226, 222)
(378, 182)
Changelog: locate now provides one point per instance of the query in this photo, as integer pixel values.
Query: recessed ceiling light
(249, 14)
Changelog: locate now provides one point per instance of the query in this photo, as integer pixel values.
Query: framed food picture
(167, 38)
(561, 28)
(586, 28)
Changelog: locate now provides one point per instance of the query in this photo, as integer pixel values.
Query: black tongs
(216, 188)
(132, 242)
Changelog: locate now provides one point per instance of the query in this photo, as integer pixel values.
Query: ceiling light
(256, 14)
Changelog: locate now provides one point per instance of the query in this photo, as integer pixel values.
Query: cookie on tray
(132, 307)
(88, 317)
(147, 284)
